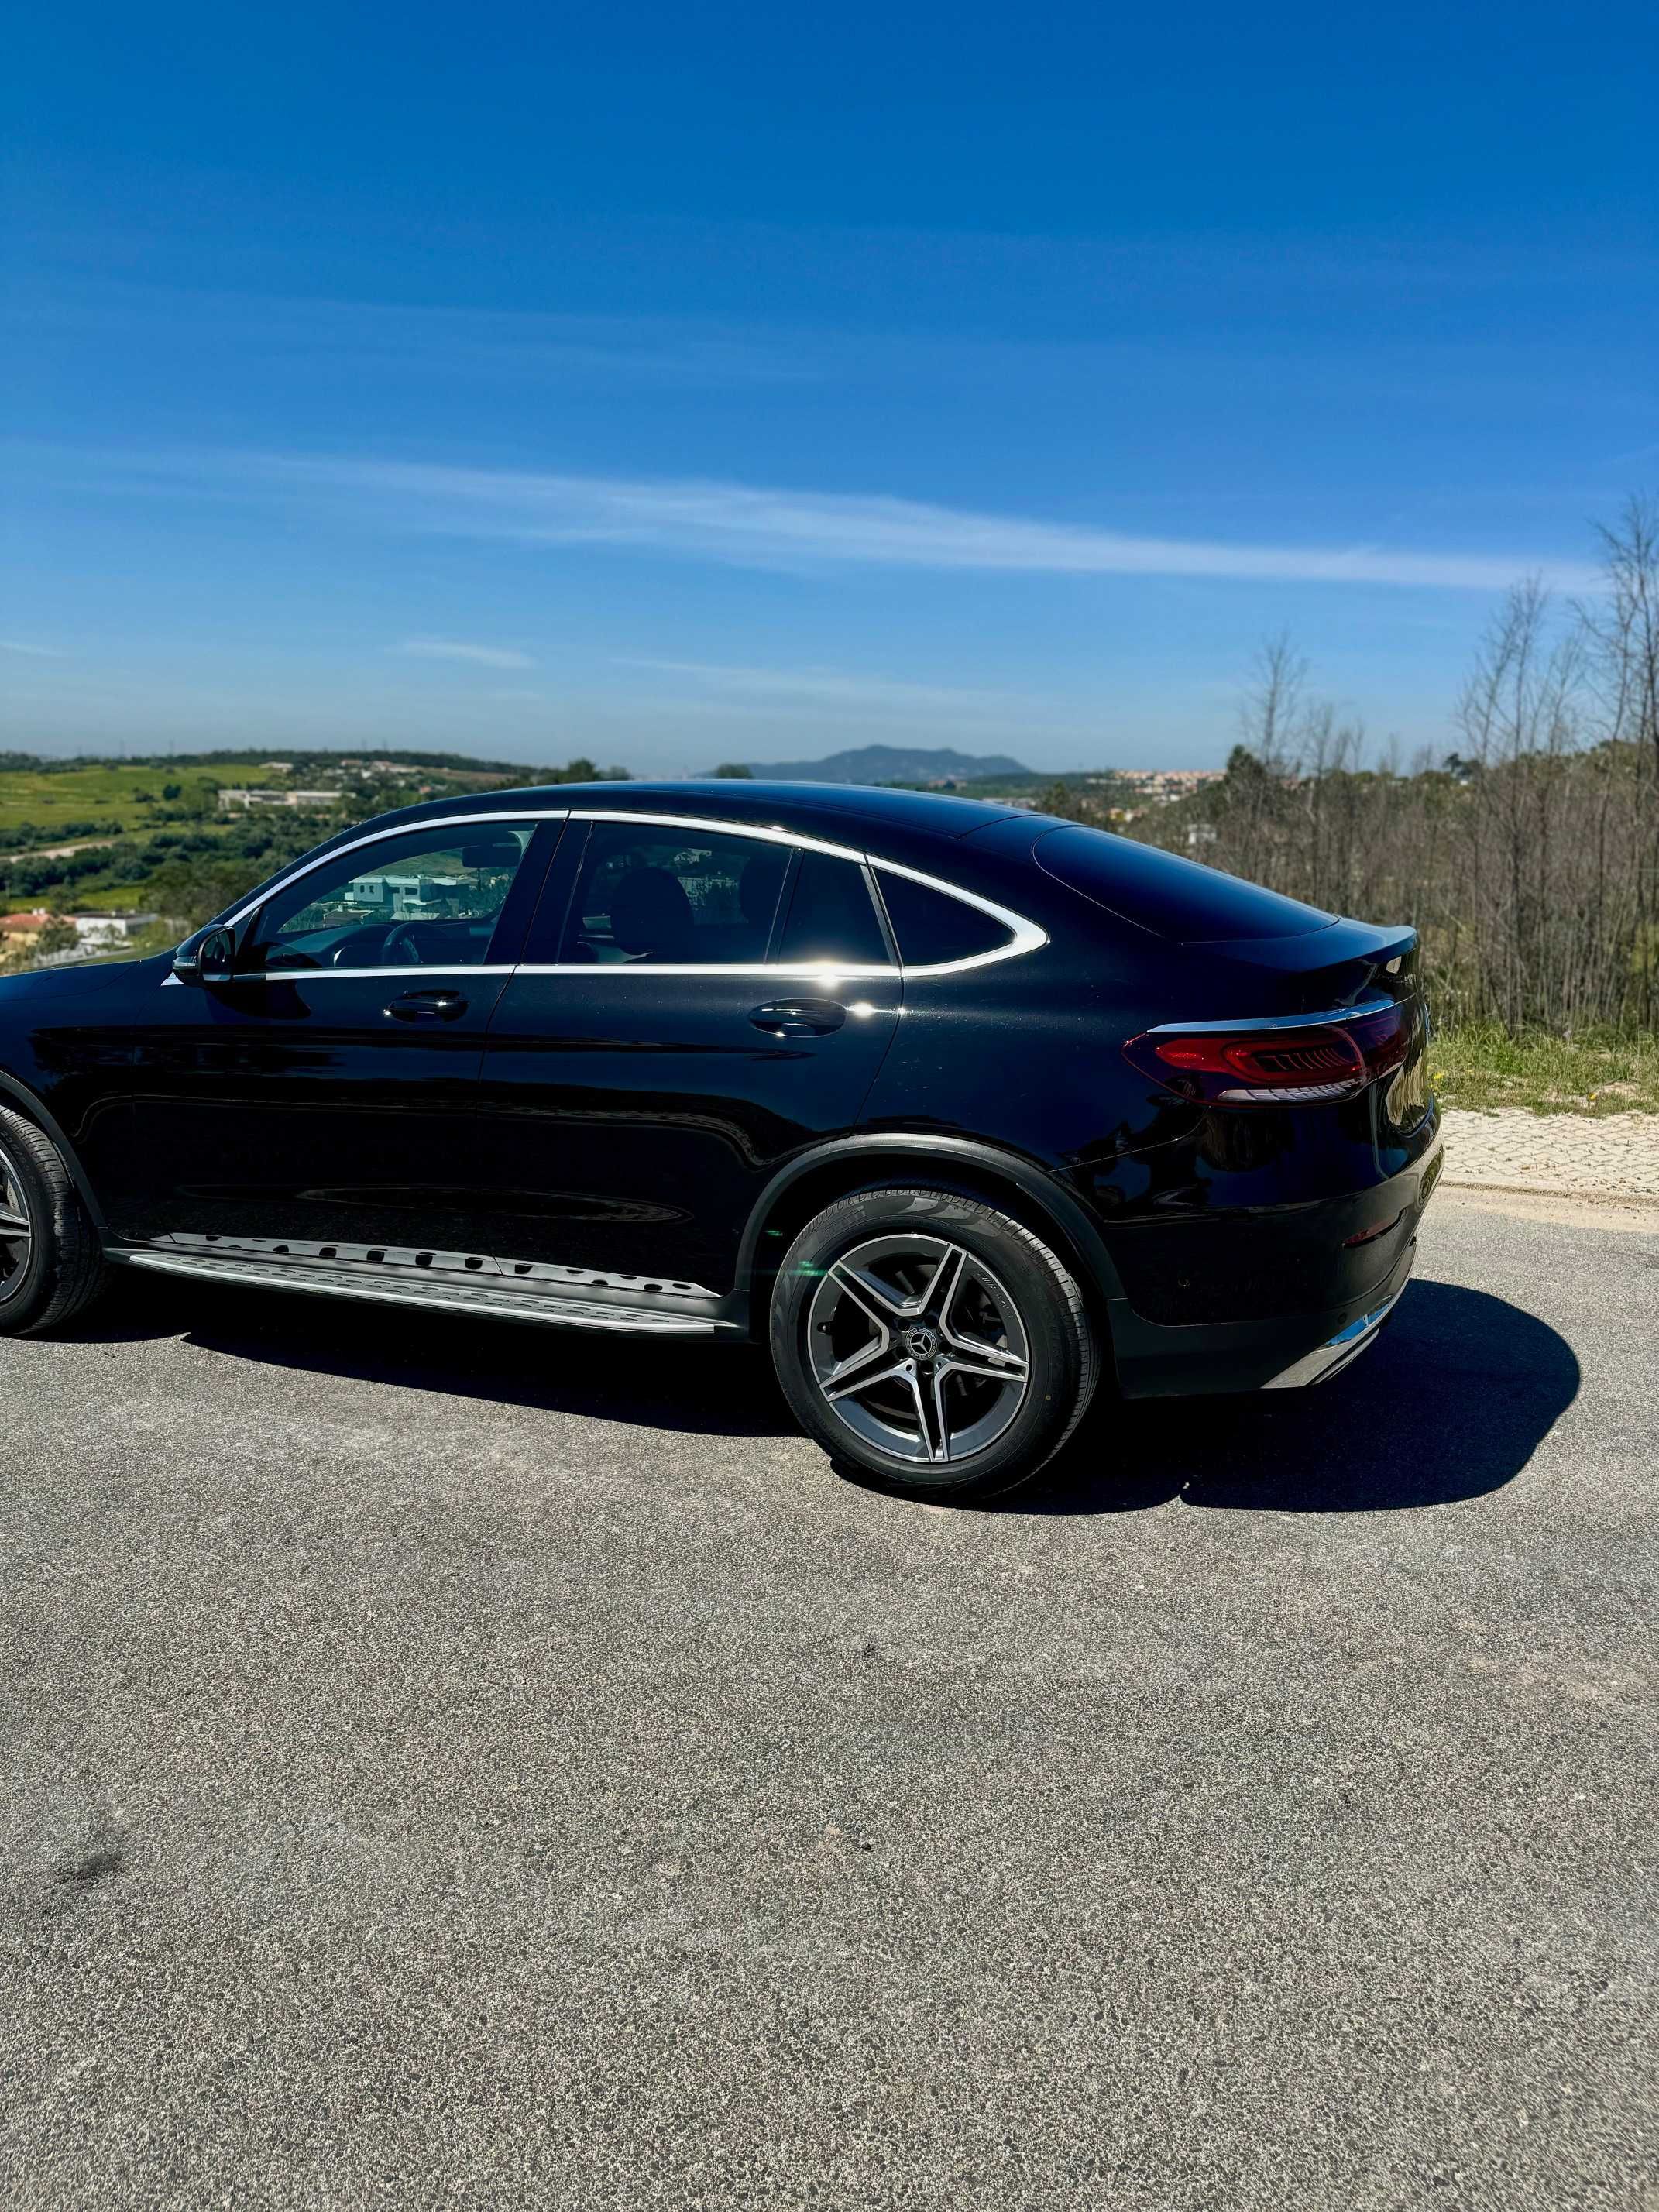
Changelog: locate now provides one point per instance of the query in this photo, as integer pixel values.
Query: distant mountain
(891, 764)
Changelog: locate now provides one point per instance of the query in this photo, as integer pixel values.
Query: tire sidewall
(1056, 1370)
(20, 1304)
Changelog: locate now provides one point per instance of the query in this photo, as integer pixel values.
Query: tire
(51, 1264)
(932, 1344)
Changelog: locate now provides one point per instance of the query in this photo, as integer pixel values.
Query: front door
(324, 1090)
(695, 1005)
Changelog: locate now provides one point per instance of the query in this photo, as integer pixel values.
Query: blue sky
(675, 384)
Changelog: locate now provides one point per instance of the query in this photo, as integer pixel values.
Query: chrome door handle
(428, 1006)
(799, 1017)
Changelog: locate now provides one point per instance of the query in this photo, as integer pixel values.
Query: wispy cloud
(32, 651)
(827, 687)
(765, 527)
(762, 527)
(455, 648)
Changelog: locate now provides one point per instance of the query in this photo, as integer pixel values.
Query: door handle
(428, 1006)
(799, 1017)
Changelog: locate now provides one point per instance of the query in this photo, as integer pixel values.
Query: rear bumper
(1279, 1351)
(1330, 1357)
(1154, 1361)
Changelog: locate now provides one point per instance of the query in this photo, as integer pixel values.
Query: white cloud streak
(32, 651)
(761, 527)
(454, 648)
(827, 687)
(758, 526)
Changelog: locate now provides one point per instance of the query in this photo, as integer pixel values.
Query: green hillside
(93, 796)
(103, 836)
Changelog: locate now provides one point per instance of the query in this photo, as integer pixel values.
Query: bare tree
(1622, 632)
(1529, 858)
(1621, 636)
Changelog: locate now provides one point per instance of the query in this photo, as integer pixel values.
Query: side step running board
(479, 1295)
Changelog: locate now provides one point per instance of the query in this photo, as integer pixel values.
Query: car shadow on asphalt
(1451, 1403)
(725, 1390)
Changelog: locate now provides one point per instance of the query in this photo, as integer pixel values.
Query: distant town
(1157, 786)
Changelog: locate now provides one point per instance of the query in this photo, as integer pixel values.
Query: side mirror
(209, 958)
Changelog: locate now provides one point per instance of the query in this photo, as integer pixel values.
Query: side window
(679, 898)
(932, 927)
(428, 899)
(831, 919)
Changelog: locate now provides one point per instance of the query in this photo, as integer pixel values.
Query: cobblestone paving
(1614, 1158)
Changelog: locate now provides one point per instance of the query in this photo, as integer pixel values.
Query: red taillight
(1260, 1066)
(1384, 1037)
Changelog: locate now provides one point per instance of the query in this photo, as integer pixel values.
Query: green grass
(109, 898)
(1482, 1066)
(105, 790)
(100, 792)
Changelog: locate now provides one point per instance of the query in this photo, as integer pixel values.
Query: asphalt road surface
(442, 1766)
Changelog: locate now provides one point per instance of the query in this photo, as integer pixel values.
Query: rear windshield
(1159, 892)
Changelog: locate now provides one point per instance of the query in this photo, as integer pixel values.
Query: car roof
(857, 808)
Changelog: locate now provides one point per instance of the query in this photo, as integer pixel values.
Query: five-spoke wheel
(931, 1341)
(918, 1348)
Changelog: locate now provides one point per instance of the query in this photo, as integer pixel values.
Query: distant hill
(891, 764)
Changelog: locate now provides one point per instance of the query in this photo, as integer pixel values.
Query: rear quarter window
(1160, 891)
(933, 928)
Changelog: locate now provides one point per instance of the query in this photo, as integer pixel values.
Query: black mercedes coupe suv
(956, 1106)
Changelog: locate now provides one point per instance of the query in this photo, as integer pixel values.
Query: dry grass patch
(1483, 1066)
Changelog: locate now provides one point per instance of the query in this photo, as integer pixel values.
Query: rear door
(325, 1090)
(696, 1004)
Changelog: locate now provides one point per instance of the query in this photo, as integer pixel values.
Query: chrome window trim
(821, 972)
(376, 837)
(409, 971)
(1024, 936)
(770, 833)
(1274, 1021)
(371, 838)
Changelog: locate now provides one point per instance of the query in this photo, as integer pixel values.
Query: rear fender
(930, 1158)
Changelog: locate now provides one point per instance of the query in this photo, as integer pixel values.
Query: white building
(109, 928)
(229, 801)
(404, 898)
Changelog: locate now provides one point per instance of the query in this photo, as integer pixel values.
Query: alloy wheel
(918, 1348)
(17, 1228)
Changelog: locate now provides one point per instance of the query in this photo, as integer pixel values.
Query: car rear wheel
(930, 1344)
(51, 1265)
